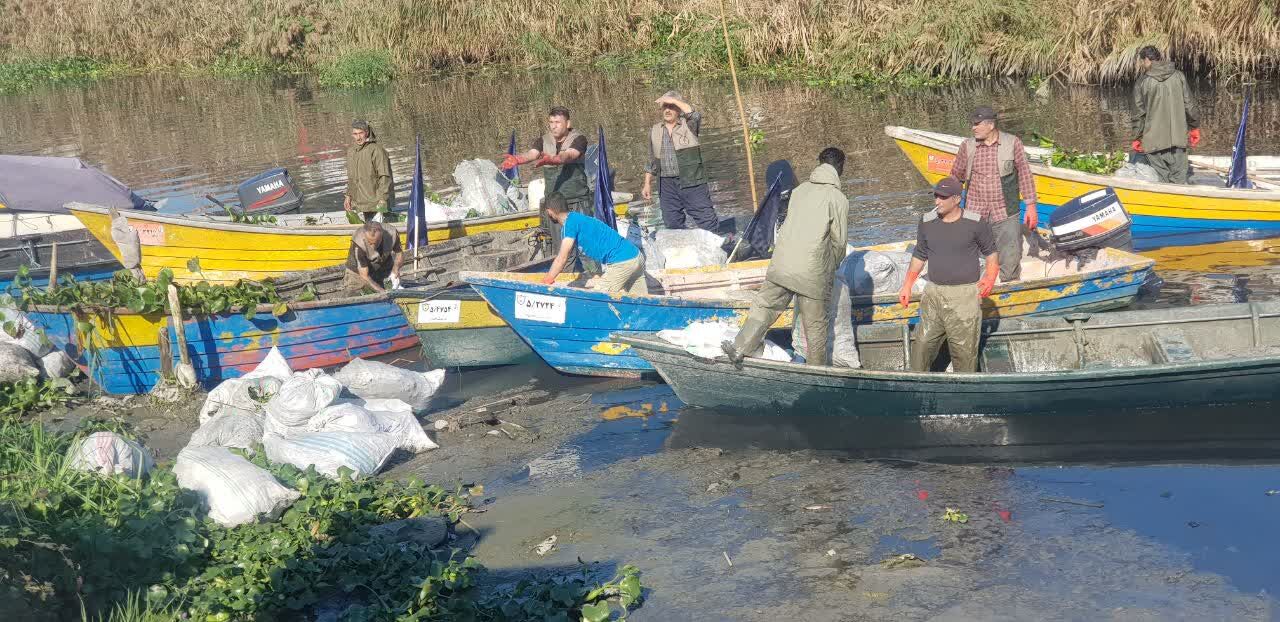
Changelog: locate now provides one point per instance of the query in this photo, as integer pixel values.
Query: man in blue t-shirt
(622, 262)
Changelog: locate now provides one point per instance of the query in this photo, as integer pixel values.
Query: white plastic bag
(840, 332)
(1137, 170)
(241, 430)
(483, 189)
(236, 490)
(57, 364)
(392, 417)
(342, 417)
(301, 398)
(689, 248)
(24, 333)
(703, 338)
(372, 380)
(877, 272)
(17, 363)
(364, 453)
(108, 453)
(249, 393)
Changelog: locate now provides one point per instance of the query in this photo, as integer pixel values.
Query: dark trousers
(681, 204)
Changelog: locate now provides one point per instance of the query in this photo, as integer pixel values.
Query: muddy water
(735, 520)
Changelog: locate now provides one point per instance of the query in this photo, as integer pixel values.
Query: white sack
(57, 364)
(108, 453)
(703, 339)
(126, 239)
(25, 333)
(249, 393)
(840, 331)
(363, 452)
(689, 248)
(342, 417)
(17, 364)
(877, 272)
(236, 490)
(301, 398)
(242, 430)
(372, 380)
(392, 417)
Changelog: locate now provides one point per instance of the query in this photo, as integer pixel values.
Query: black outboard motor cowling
(272, 192)
(1094, 220)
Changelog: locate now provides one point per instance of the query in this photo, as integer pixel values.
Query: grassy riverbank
(367, 42)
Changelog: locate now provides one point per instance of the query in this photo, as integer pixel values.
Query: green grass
(23, 75)
(361, 69)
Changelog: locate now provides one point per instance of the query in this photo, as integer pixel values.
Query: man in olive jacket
(370, 189)
(1165, 120)
(810, 246)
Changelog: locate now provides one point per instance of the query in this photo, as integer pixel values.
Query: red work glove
(1031, 219)
(510, 161)
(1193, 137)
(985, 286)
(554, 160)
(904, 294)
(1137, 146)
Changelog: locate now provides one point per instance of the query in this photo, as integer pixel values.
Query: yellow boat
(1163, 214)
(227, 252)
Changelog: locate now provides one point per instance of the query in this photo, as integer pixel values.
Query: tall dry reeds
(1072, 40)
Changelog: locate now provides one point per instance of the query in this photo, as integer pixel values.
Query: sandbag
(24, 333)
(108, 453)
(396, 418)
(372, 380)
(236, 490)
(300, 398)
(17, 363)
(243, 430)
(1137, 170)
(877, 272)
(703, 338)
(364, 453)
(840, 331)
(249, 393)
(57, 364)
(484, 191)
(689, 248)
(342, 417)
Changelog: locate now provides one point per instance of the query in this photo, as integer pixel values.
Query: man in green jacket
(1165, 120)
(809, 248)
(370, 188)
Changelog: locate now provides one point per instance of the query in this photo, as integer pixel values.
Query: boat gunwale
(914, 136)
(266, 308)
(305, 230)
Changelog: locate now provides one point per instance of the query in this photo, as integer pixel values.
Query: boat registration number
(439, 312)
(940, 163)
(149, 233)
(540, 308)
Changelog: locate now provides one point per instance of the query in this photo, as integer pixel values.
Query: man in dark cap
(370, 189)
(993, 166)
(675, 157)
(950, 239)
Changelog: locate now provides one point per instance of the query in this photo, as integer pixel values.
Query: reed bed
(1077, 42)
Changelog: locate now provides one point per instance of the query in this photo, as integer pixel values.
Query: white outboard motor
(1095, 220)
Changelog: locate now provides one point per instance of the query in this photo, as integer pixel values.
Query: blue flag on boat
(512, 173)
(1239, 175)
(760, 231)
(604, 185)
(417, 224)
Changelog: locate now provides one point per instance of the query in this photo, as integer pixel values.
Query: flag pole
(742, 113)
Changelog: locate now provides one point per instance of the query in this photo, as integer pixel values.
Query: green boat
(1077, 364)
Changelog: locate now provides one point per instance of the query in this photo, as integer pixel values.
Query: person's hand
(1031, 219)
(664, 100)
(647, 192)
(510, 161)
(346, 203)
(554, 160)
(985, 286)
(1193, 137)
(904, 295)
(1137, 146)
(548, 280)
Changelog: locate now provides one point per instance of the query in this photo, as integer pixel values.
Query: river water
(1149, 542)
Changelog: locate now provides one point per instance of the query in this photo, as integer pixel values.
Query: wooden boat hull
(459, 329)
(772, 388)
(1163, 214)
(573, 332)
(124, 353)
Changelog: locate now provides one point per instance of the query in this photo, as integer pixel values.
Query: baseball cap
(983, 113)
(948, 187)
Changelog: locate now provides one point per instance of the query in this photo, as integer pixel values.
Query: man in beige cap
(676, 160)
(950, 239)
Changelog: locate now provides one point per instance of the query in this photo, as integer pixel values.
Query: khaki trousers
(771, 301)
(950, 314)
(624, 276)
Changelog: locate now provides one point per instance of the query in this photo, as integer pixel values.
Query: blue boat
(571, 327)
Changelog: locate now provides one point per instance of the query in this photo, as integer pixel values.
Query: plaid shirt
(665, 164)
(984, 194)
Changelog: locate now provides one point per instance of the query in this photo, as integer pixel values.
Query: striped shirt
(984, 194)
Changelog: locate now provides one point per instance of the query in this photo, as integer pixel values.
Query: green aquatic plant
(31, 395)
(125, 291)
(358, 69)
(1096, 163)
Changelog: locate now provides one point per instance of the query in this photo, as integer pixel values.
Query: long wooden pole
(742, 112)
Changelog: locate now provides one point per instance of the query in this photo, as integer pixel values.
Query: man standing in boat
(675, 157)
(622, 262)
(1164, 120)
(950, 239)
(561, 153)
(994, 169)
(375, 255)
(809, 248)
(370, 188)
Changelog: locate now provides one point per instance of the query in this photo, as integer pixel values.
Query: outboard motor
(1095, 220)
(272, 192)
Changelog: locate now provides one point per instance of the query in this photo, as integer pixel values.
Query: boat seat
(997, 357)
(1171, 346)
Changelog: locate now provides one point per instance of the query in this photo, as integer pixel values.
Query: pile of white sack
(26, 353)
(354, 420)
(703, 338)
(482, 191)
